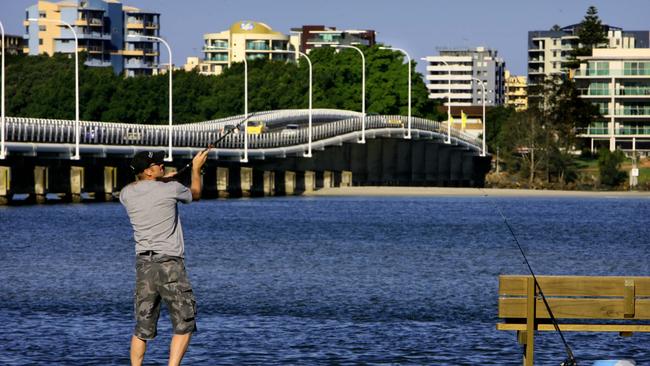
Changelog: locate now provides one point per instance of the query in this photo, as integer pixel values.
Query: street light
(483, 151)
(408, 58)
(363, 91)
(245, 159)
(308, 154)
(76, 76)
(2, 107)
(448, 141)
(169, 156)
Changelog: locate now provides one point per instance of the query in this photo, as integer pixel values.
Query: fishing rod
(570, 360)
(211, 145)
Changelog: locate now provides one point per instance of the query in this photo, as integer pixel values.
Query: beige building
(618, 82)
(516, 92)
(249, 39)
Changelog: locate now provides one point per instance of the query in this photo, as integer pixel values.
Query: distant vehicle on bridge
(395, 122)
(290, 130)
(256, 127)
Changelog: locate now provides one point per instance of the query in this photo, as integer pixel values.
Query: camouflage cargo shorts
(161, 277)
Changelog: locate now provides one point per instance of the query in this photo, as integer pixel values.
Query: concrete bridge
(39, 154)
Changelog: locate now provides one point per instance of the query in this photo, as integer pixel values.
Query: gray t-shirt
(153, 211)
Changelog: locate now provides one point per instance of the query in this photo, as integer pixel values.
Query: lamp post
(245, 159)
(363, 90)
(169, 156)
(408, 58)
(308, 154)
(76, 76)
(483, 149)
(2, 107)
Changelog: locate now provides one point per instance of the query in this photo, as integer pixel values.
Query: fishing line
(212, 145)
(570, 360)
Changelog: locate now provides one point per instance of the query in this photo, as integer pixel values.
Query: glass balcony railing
(595, 92)
(623, 72)
(638, 91)
(633, 111)
(633, 130)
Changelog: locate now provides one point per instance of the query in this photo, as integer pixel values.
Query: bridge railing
(327, 124)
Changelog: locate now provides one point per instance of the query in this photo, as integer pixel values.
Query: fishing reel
(569, 362)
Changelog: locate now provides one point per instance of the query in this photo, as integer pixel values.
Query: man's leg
(177, 348)
(138, 348)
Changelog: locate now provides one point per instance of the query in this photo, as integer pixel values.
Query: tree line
(43, 87)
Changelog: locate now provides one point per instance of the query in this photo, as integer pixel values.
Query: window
(554, 53)
(598, 68)
(40, 42)
(637, 68)
(42, 28)
(42, 14)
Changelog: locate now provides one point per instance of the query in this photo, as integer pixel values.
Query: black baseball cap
(144, 159)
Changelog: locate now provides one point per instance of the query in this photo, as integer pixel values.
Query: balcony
(94, 35)
(90, 22)
(135, 25)
(634, 92)
(595, 92)
(608, 73)
(633, 130)
(138, 64)
(639, 112)
(97, 63)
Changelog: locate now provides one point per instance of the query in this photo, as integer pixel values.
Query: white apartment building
(549, 50)
(618, 82)
(456, 71)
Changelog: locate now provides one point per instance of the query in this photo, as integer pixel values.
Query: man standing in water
(152, 205)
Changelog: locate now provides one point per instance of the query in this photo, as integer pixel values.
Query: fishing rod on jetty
(210, 146)
(570, 360)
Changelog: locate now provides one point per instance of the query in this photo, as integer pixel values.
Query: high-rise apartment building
(310, 36)
(618, 82)
(516, 92)
(457, 69)
(105, 30)
(549, 50)
(249, 39)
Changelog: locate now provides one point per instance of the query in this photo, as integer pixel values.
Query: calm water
(314, 280)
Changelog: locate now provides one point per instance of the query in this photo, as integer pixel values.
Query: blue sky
(419, 26)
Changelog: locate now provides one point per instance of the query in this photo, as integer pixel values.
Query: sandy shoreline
(440, 191)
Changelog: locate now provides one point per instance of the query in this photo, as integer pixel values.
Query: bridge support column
(5, 185)
(346, 178)
(309, 179)
(324, 179)
(388, 162)
(40, 183)
(456, 166)
(444, 165)
(433, 158)
(222, 182)
(269, 183)
(289, 183)
(418, 157)
(110, 182)
(328, 179)
(374, 162)
(76, 183)
(245, 181)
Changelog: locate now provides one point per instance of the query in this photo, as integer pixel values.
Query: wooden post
(531, 301)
